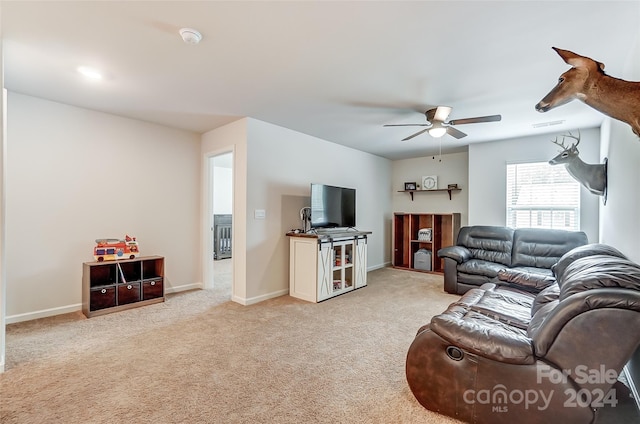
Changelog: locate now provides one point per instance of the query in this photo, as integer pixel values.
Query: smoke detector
(190, 35)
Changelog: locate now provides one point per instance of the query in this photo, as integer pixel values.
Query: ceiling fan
(437, 126)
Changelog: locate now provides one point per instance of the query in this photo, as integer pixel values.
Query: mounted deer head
(586, 81)
(568, 153)
(592, 177)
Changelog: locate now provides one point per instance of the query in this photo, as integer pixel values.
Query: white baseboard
(44, 313)
(11, 319)
(258, 299)
(379, 266)
(185, 287)
(28, 316)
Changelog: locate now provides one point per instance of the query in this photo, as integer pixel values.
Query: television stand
(327, 264)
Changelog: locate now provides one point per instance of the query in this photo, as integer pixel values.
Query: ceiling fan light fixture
(437, 131)
(437, 123)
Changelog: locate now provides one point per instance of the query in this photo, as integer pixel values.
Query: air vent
(547, 124)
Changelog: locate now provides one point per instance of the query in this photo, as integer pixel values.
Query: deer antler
(559, 144)
(574, 137)
(564, 147)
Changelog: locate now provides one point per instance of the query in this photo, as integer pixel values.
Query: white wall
(620, 216)
(3, 280)
(222, 190)
(450, 169)
(281, 165)
(74, 175)
(229, 138)
(620, 226)
(487, 176)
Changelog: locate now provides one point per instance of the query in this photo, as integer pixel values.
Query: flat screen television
(332, 206)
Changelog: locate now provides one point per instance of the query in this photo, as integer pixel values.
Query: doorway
(220, 231)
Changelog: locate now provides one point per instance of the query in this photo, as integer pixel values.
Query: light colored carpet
(200, 358)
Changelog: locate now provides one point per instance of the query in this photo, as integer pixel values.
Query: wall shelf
(449, 190)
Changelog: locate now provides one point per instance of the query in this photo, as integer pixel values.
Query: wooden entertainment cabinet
(322, 266)
(112, 286)
(407, 240)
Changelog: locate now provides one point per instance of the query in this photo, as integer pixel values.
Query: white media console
(325, 265)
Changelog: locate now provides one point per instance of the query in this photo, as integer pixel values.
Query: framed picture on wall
(410, 186)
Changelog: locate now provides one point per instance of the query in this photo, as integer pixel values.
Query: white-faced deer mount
(592, 177)
(586, 81)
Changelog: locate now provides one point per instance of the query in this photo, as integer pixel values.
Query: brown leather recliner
(500, 355)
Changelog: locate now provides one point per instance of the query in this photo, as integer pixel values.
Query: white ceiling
(335, 70)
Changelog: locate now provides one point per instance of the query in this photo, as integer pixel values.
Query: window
(540, 195)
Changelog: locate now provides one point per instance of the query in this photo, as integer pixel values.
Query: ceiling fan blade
(455, 132)
(440, 113)
(415, 135)
(406, 125)
(491, 118)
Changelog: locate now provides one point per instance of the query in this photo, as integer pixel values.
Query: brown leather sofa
(483, 251)
(502, 355)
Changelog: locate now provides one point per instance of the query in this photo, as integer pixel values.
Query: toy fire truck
(114, 249)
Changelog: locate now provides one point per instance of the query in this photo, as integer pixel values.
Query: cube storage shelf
(407, 238)
(118, 285)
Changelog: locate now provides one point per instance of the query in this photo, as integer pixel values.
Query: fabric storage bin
(422, 260)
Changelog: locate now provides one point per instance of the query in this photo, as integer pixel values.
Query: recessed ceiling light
(90, 73)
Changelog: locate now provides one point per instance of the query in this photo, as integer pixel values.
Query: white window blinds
(540, 195)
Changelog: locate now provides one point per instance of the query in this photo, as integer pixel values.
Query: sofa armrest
(450, 276)
(547, 295)
(459, 254)
(526, 280)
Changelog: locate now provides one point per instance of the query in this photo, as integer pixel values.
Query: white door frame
(207, 219)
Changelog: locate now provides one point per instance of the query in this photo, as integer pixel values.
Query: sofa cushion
(473, 280)
(508, 306)
(599, 271)
(542, 248)
(488, 243)
(483, 335)
(480, 267)
(527, 278)
(582, 252)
